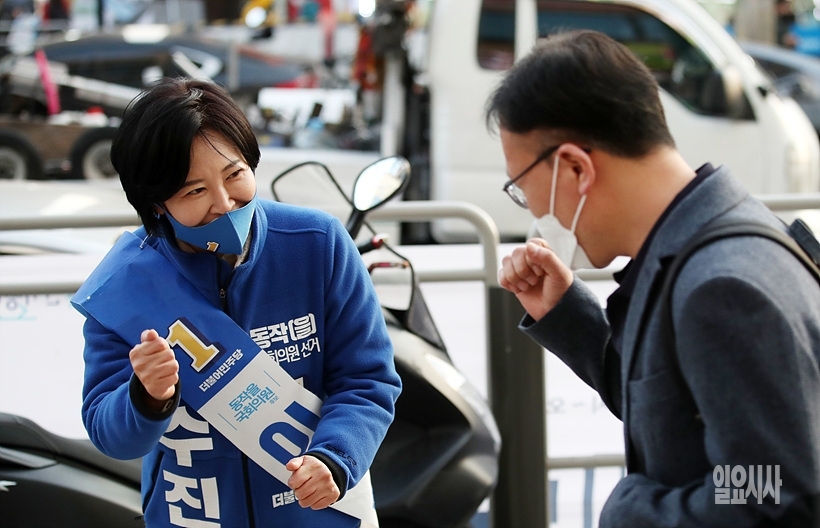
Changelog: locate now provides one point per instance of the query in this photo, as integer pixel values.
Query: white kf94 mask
(563, 241)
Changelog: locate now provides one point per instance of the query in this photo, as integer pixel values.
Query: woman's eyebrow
(231, 164)
(191, 183)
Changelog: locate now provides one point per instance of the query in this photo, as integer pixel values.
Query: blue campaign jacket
(746, 315)
(304, 296)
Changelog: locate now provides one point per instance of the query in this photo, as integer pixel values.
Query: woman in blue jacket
(290, 278)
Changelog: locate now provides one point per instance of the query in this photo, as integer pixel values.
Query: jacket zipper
(223, 304)
(223, 287)
(223, 299)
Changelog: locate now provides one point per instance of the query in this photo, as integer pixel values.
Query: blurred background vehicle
(72, 145)
(136, 56)
(793, 74)
(60, 104)
(713, 96)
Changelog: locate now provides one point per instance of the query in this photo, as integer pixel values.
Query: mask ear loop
(552, 185)
(157, 215)
(578, 213)
(552, 198)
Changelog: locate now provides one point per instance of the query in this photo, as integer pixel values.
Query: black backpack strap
(801, 243)
(805, 238)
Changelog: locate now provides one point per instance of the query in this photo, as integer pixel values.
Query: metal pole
(393, 105)
(69, 221)
(233, 66)
(518, 397)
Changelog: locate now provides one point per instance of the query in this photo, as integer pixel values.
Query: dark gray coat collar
(715, 196)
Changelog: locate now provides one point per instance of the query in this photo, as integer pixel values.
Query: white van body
(772, 149)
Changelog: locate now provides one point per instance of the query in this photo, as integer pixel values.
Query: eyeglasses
(513, 190)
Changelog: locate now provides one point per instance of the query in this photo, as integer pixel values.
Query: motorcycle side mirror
(377, 184)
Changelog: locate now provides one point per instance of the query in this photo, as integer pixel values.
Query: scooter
(47, 480)
(439, 460)
(437, 464)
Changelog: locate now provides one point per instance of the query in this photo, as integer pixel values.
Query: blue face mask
(227, 234)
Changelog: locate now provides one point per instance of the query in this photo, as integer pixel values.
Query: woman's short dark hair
(587, 87)
(151, 150)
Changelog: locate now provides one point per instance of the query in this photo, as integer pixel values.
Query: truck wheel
(19, 159)
(90, 155)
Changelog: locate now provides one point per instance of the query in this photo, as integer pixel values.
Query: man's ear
(579, 160)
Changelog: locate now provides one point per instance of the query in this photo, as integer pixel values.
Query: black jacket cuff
(137, 392)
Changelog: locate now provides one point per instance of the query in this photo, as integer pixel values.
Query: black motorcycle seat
(17, 432)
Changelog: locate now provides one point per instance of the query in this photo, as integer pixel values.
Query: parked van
(719, 106)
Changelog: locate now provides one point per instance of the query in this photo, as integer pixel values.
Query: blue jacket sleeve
(115, 423)
(361, 384)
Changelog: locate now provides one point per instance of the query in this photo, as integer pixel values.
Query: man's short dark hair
(151, 150)
(586, 87)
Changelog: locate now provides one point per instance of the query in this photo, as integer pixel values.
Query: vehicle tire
(90, 155)
(19, 160)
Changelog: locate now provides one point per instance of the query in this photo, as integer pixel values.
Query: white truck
(719, 106)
